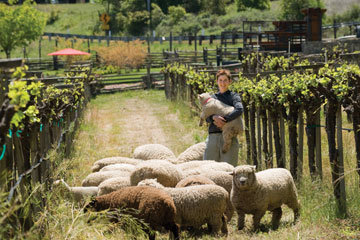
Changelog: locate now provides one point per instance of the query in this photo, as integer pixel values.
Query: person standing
(214, 141)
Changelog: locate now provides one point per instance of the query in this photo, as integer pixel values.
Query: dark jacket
(232, 99)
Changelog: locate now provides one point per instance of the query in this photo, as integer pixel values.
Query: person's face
(223, 83)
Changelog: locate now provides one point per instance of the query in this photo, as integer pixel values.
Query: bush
(124, 54)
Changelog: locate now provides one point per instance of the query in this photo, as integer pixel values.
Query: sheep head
(244, 177)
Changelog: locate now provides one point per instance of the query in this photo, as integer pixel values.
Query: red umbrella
(68, 51)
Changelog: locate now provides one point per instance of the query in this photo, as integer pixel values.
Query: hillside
(72, 18)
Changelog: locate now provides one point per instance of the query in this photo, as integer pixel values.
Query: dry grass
(124, 54)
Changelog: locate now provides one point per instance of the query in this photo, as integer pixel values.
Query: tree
(257, 4)
(291, 9)
(20, 25)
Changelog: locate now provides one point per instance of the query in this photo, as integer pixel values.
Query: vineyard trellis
(278, 89)
(33, 120)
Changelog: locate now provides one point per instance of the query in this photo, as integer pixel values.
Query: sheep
(94, 179)
(197, 205)
(194, 180)
(194, 152)
(211, 106)
(222, 179)
(113, 160)
(154, 206)
(255, 193)
(166, 173)
(118, 167)
(78, 193)
(113, 184)
(153, 151)
(209, 164)
(214, 166)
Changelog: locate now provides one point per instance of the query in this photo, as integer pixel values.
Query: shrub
(124, 54)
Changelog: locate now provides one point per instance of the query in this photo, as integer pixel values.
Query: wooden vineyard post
(247, 135)
(340, 184)
(301, 143)
(318, 161)
(253, 135)
(282, 142)
(35, 174)
(258, 126)
(270, 134)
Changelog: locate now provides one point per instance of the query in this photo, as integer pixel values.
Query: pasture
(113, 125)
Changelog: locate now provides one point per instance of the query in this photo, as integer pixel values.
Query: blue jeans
(214, 143)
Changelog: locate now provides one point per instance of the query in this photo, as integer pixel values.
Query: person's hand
(219, 121)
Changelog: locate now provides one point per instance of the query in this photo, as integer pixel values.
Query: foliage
(291, 9)
(20, 25)
(351, 15)
(258, 4)
(124, 54)
(24, 98)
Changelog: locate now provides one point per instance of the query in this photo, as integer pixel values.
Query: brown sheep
(154, 206)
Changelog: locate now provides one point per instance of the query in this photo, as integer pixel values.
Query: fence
(265, 127)
(24, 160)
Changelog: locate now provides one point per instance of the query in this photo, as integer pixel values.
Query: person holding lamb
(215, 141)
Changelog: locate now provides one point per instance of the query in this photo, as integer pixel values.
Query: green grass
(73, 18)
(105, 131)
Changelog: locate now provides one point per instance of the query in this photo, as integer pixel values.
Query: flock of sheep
(176, 193)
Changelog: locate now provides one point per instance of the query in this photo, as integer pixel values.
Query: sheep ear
(232, 173)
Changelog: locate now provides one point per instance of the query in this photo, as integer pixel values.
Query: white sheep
(211, 106)
(197, 205)
(210, 164)
(94, 179)
(153, 151)
(194, 152)
(118, 167)
(113, 160)
(78, 193)
(166, 173)
(255, 193)
(220, 178)
(113, 184)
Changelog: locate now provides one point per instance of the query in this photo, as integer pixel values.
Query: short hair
(223, 72)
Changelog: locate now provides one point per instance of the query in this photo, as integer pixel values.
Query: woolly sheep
(194, 152)
(215, 166)
(78, 193)
(113, 184)
(154, 206)
(153, 151)
(210, 164)
(166, 173)
(113, 160)
(222, 179)
(255, 193)
(118, 167)
(211, 106)
(194, 180)
(94, 179)
(197, 205)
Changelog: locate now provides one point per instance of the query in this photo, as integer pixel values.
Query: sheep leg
(227, 141)
(241, 219)
(276, 216)
(256, 219)
(215, 224)
(174, 230)
(224, 228)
